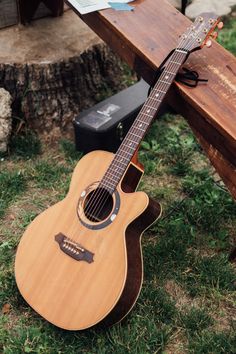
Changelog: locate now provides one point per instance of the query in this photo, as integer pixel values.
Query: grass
(188, 299)
(185, 255)
(227, 37)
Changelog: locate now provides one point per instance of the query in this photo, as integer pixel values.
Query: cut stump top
(46, 40)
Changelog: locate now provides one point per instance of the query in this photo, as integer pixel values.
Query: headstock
(198, 34)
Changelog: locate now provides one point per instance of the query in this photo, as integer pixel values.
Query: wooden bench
(143, 38)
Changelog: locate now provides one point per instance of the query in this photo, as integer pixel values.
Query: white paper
(86, 6)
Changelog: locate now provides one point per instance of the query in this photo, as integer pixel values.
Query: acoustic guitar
(79, 263)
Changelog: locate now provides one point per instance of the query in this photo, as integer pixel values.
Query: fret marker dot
(140, 125)
(148, 110)
(166, 77)
(157, 94)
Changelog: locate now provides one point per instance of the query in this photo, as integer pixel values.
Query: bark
(49, 95)
(5, 119)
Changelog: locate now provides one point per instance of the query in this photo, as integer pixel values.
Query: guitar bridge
(73, 249)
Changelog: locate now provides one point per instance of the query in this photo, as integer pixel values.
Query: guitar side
(133, 236)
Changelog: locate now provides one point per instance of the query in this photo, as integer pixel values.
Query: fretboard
(142, 122)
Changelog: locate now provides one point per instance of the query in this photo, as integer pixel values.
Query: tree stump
(55, 68)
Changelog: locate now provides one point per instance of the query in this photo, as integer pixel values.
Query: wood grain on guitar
(80, 262)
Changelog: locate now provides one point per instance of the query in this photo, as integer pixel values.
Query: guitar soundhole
(98, 205)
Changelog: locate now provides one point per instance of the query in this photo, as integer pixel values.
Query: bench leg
(184, 4)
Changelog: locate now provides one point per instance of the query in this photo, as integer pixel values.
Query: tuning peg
(214, 35)
(220, 25)
(209, 43)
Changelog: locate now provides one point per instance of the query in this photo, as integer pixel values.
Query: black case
(104, 126)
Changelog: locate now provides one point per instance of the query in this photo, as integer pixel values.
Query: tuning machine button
(209, 43)
(214, 35)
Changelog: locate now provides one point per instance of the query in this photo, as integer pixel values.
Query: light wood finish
(145, 36)
(70, 294)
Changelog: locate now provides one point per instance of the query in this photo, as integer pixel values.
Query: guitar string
(146, 119)
(134, 132)
(94, 208)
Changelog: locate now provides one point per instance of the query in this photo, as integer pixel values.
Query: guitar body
(76, 271)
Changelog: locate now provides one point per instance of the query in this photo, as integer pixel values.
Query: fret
(111, 182)
(165, 82)
(135, 135)
(165, 76)
(109, 189)
(114, 176)
(159, 90)
(121, 169)
(175, 62)
(169, 72)
(147, 106)
(123, 162)
(181, 51)
(141, 122)
(107, 182)
(130, 142)
(115, 168)
(151, 111)
(154, 102)
(156, 99)
(122, 157)
(146, 114)
(126, 152)
(143, 130)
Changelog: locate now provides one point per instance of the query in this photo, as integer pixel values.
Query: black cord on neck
(188, 77)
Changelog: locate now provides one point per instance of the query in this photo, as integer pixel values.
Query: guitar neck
(142, 122)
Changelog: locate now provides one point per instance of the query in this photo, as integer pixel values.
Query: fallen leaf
(6, 309)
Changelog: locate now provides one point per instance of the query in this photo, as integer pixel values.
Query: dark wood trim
(134, 253)
(135, 264)
(131, 178)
